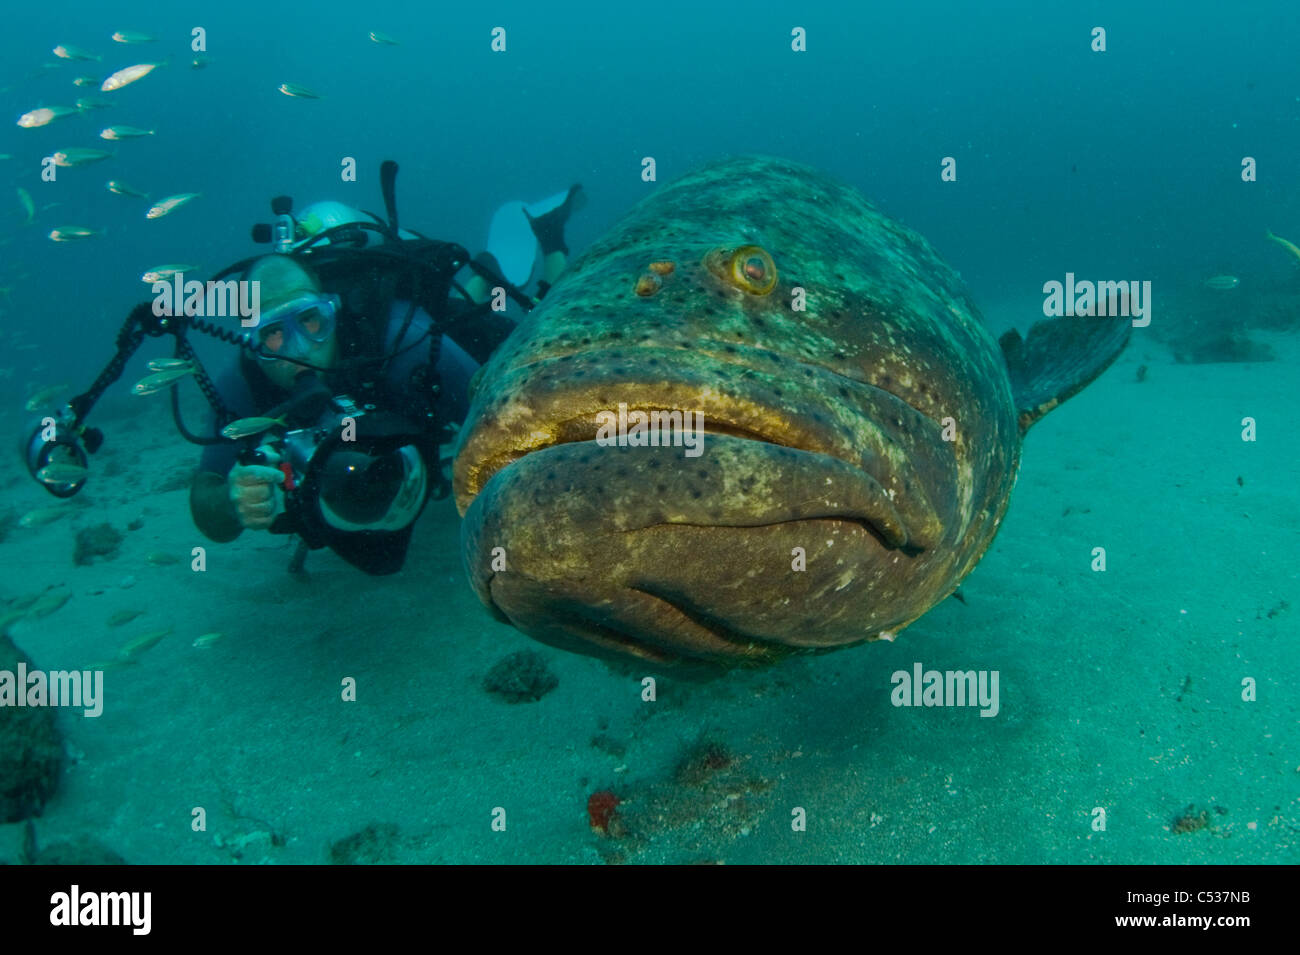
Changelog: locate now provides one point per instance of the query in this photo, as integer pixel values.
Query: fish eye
(748, 268)
(753, 270)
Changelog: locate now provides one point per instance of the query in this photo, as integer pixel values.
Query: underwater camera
(54, 454)
(355, 482)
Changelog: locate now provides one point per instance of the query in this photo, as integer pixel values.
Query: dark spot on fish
(731, 349)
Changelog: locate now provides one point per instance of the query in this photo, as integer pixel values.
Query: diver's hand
(255, 492)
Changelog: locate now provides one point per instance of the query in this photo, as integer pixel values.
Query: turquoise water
(1119, 690)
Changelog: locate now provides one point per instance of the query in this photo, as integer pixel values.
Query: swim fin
(549, 226)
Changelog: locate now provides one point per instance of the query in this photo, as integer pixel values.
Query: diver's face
(323, 354)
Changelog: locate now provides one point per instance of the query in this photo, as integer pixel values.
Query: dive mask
(290, 330)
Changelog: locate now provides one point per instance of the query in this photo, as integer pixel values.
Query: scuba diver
(328, 421)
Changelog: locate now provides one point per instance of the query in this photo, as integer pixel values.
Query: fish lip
(911, 532)
(821, 440)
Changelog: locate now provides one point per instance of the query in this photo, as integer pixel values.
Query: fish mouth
(860, 497)
(887, 440)
(649, 549)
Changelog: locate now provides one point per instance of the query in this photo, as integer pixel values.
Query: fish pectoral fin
(1058, 358)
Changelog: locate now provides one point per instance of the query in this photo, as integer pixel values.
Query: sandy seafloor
(1119, 689)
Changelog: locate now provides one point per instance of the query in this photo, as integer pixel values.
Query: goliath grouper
(857, 455)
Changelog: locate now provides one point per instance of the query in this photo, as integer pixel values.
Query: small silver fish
(80, 157)
(247, 427)
(1222, 282)
(170, 364)
(29, 207)
(129, 36)
(293, 89)
(44, 515)
(92, 102)
(118, 187)
(164, 273)
(133, 648)
(65, 52)
(382, 38)
(49, 602)
(124, 132)
(61, 474)
(128, 76)
(164, 206)
(199, 62)
(160, 380)
(71, 233)
(206, 640)
(87, 81)
(45, 116)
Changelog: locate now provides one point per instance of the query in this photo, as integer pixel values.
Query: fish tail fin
(1058, 358)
